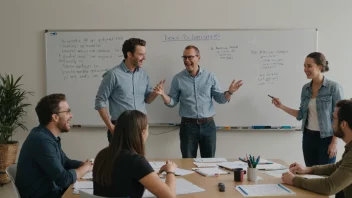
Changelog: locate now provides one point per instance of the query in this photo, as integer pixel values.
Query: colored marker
(271, 96)
(261, 127)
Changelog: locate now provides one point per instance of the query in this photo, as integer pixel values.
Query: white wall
(22, 52)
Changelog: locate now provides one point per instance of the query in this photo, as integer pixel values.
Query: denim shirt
(328, 95)
(125, 90)
(195, 94)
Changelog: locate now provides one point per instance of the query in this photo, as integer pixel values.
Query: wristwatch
(228, 92)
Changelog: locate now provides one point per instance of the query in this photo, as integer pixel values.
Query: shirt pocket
(205, 89)
(325, 103)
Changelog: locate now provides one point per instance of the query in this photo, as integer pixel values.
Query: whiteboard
(268, 62)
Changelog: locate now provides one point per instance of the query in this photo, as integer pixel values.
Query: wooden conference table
(210, 184)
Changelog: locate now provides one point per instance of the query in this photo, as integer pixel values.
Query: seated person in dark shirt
(121, 170)
(43, 169)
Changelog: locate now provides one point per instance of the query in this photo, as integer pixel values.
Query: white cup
(252, 174)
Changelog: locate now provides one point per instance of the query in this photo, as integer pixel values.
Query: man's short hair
(130, 45)
(345, 112)
(192, 47)
(47, 106)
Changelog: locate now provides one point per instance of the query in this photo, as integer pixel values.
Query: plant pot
(8, 155)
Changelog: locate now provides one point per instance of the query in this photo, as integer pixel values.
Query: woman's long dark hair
(127, 135)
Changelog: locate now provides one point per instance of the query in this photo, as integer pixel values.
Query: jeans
(192, 134)
(315, 151)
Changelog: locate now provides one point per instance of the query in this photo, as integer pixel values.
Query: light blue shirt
(125, 90)
(328, 95)
(195, 94)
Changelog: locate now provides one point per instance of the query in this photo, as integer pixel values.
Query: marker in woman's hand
(271, 96)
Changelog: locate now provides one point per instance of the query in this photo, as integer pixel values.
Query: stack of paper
(182, 187)
(211, 160)
(202, 165)
(274, 166)
(210, 171)
(233, 165)
(86, 186)
(264, 190)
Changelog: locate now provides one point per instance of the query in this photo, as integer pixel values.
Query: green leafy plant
(12, 106)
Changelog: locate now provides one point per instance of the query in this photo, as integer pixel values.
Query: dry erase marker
(271, 96)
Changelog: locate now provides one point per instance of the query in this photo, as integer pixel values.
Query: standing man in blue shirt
(195, 88)
(43, 169)
(125, 86)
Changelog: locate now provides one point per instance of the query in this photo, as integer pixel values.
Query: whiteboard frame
(232, 128)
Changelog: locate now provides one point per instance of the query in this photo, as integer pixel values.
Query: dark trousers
(193, 134)
(315, 151)
(109, 135)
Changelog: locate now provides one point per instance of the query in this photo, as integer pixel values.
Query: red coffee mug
(238, 174)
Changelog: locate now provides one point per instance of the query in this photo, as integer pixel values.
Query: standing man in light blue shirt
(195, 88)
(125, 86)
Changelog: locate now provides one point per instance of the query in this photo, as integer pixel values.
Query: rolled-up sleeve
(216, 92)
(149, 89)
(107, 85)
(339, 178)
(174, 93)
(300, 111)
(49, 160)
(336, 96)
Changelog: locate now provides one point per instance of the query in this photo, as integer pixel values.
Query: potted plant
(12, 110)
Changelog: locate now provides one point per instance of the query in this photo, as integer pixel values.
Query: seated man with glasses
(43, 169)
(195, 88)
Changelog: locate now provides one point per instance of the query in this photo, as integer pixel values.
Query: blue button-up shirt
(43, 169)
(125, 90)
(328, 95)
(195, 94)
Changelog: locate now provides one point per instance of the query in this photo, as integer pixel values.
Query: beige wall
(22, 52)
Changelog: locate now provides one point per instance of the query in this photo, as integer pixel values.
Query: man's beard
(339, 133)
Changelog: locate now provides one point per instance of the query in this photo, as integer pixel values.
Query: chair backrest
(83, 194)
(11, 172)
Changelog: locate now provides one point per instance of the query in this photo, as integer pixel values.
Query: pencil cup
(252, 174)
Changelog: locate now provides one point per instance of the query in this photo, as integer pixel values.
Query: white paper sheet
(211, 160)
(202, 165)
(311, 176)
(182, 187)
(264, 190)
(274, 166)
(233, 165)
(83, 185)
(276, 173)
(88, 175)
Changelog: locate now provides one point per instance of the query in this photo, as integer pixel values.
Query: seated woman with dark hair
(121, 170)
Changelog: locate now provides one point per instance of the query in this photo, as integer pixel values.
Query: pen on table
(242, 190)
(283, 187)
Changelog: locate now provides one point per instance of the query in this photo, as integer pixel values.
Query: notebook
(207, 172)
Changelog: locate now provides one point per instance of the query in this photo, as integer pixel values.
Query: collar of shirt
(199, 72)
(47, 131)
(325, 83)
(125, 69)
(348, 146)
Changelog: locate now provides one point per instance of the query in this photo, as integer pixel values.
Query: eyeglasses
(67, 111)
(188, 57)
